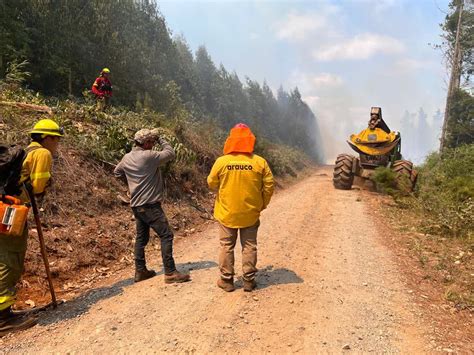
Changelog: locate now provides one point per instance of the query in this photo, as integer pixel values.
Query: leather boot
(10, 322)
(176, 277)
(249, 285)
(226, 285)
(141, 275)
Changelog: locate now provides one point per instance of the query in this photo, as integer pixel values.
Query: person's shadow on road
(268, 276)
(83, 303)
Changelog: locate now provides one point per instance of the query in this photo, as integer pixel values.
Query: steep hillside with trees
(50, 54)
(64, 45)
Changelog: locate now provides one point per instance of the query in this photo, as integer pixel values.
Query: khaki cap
(147, 135)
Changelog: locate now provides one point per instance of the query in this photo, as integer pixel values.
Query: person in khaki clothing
(244, 185)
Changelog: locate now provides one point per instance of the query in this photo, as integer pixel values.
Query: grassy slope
(438, 221)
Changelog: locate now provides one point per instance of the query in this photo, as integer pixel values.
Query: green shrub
(385, 180)
(16, 73)
(283, 160)
(446, 191)
(389, 182)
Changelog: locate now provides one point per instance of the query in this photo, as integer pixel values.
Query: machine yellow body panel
(373, 141)
(373, 136)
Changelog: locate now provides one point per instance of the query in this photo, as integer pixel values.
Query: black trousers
(153, 216)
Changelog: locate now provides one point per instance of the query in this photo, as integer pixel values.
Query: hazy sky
(344, 56)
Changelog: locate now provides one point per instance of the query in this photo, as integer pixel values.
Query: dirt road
(326, 282)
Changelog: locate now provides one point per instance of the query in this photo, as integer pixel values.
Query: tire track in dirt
(325, 281)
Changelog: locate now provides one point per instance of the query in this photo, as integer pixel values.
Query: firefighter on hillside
(102, 89)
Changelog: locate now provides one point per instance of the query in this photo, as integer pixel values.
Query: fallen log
(25, 106)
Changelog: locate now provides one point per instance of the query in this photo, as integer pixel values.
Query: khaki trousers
(248, 240)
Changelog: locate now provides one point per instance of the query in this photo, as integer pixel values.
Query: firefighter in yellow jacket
(244, 185)
(36, 170)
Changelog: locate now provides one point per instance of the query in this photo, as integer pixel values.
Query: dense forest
(64, 44)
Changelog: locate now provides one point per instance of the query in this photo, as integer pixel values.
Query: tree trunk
(25, 106)
(70, 83)
(455, 80)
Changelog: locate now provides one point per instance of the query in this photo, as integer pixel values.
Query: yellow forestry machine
(377, 146)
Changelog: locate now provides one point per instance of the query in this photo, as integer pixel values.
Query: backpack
(11, 162)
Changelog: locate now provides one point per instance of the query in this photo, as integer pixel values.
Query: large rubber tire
(404, 168)
(343, 177)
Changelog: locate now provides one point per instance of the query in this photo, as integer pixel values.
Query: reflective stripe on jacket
(37, 168)
(244, 184)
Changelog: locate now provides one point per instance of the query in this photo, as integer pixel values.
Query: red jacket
(102, 87)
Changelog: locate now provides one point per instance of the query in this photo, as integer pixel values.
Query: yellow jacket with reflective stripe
(37, 168)
(244, 184)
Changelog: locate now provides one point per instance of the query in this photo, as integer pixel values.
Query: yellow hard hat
(47, 127)
(105, 70)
